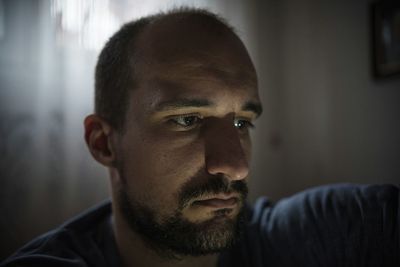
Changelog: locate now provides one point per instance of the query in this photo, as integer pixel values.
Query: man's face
(184, 156)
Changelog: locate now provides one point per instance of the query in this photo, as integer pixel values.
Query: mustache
(199, 186)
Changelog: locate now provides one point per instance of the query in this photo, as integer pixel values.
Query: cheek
(247, 147)
(156, 166)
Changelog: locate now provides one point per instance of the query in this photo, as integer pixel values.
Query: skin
(188, 73)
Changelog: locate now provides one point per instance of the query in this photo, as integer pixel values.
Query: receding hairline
(180, 13)
(165, 25)
(177, 31)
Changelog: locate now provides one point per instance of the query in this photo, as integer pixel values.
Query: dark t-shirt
(337, 225)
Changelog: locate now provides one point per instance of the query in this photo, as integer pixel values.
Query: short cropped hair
(115, 69)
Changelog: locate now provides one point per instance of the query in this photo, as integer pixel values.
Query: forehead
(193, 42)
(169, 93)
(191, 58)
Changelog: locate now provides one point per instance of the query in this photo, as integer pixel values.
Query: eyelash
(180, 121)
(246, 124)
(195, 120)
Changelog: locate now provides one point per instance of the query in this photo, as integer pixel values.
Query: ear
(98, 140)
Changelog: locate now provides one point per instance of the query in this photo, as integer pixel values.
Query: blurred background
(326, 119)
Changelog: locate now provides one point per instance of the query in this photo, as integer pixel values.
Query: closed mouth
(218, 202)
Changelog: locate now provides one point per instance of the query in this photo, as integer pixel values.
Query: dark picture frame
(386, 38)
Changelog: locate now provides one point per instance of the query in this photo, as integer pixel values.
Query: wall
(331, 121)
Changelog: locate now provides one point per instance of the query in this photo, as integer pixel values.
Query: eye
(186, 121)
(243, 124)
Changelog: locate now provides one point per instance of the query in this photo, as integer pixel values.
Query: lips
(218, 202)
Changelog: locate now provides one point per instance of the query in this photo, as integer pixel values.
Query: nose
(224, 152)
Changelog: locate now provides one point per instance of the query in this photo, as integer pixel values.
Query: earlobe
(97, 137)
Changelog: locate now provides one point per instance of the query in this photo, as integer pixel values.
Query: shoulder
(335, 225)
(341, 201)
(78, 242)
(333, 200)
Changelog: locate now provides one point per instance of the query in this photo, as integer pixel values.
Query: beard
(174, 236)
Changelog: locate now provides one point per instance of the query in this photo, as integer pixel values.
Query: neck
(135, 252)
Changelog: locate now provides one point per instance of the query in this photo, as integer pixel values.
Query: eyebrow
(251, 106)
(254, 107)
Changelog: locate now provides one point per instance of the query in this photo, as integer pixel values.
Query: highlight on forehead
(180, 76)
(250, 106)
(182, 103)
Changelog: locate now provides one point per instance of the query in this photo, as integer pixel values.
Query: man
(176, 96)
